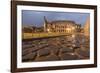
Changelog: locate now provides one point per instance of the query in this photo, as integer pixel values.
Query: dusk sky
(36, 18)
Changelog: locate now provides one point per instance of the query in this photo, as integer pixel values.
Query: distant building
(61, 26)
(32, 29)
(27, 29)
(87, 27)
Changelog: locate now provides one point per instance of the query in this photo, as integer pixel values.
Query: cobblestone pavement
(73, 47)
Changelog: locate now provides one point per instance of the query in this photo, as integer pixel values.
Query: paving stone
(83, 53)
(25, 52)
(26, 42)
(27, 46)
(65, 50)
(43, 52)
(48, 58)
(68, 57)
(29, 57)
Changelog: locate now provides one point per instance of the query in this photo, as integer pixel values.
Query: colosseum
(61, 26)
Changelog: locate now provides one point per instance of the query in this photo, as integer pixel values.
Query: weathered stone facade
(61, 26)
(87, 27)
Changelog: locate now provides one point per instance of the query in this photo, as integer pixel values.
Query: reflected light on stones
(73, 36)
(72, 53)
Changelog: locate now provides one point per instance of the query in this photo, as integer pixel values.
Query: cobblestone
(57, 48)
